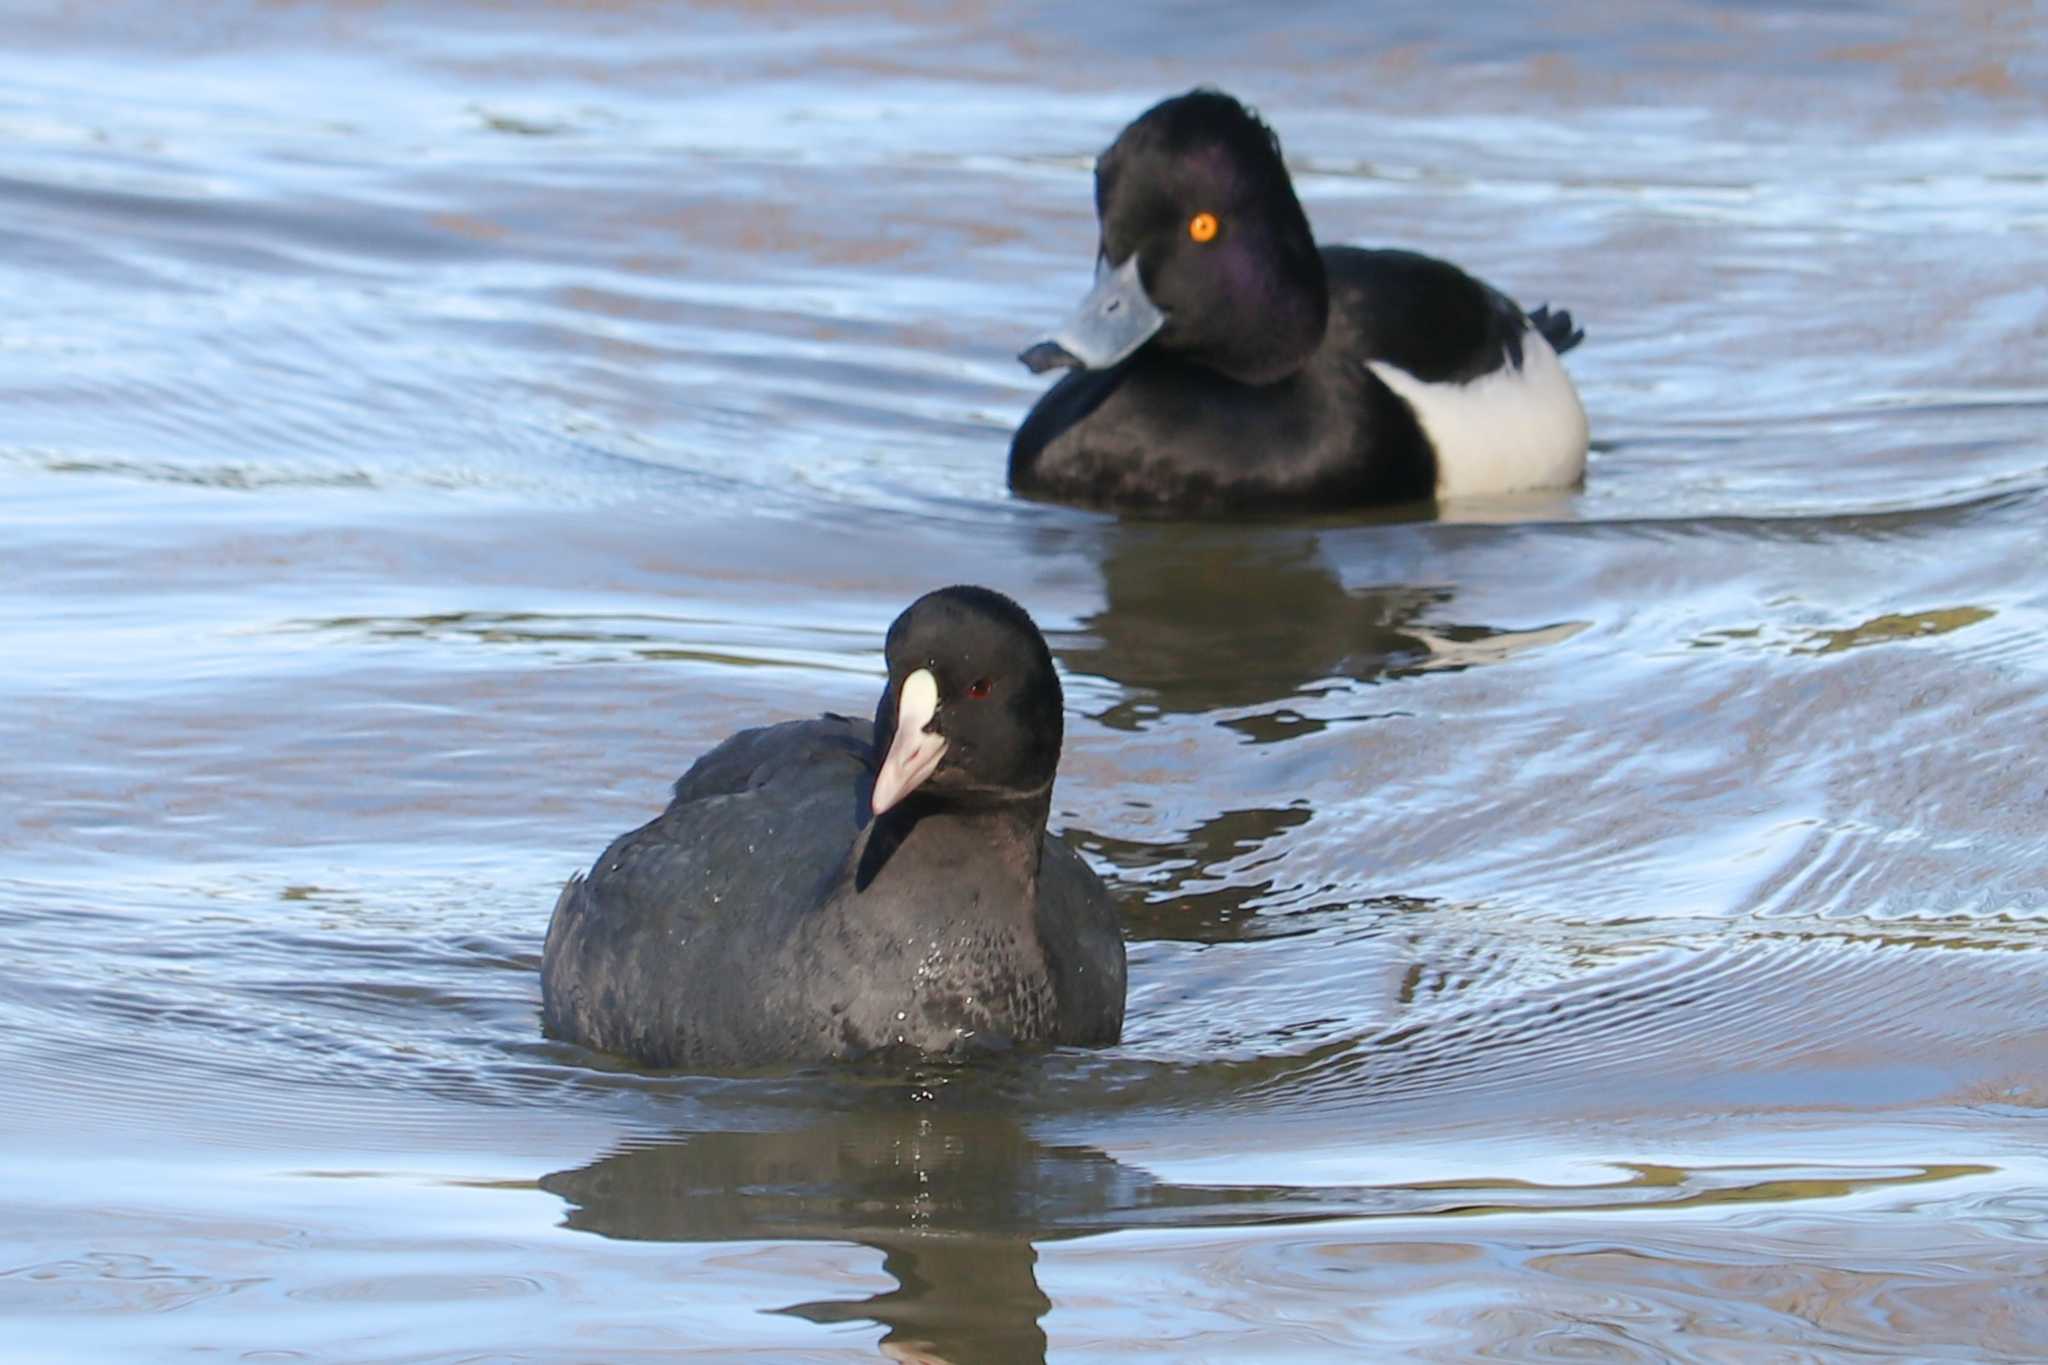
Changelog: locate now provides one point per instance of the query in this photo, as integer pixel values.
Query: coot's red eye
(978, 689)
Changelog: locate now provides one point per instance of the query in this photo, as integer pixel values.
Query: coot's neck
(987, 846)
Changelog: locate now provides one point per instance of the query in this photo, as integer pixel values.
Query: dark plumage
(1224, 362)
(766, 916)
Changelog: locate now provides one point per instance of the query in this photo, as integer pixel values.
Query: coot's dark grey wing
(1427, 316)
(673, 928)
(1083, 939)
(753, 757)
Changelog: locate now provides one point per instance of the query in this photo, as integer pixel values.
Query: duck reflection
(1203, 618)
(954, 1200)
(1256, 626)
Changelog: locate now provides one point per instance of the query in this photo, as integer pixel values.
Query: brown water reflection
(1199, 620)
(962, 1203)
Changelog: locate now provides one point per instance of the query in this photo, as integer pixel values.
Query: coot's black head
(972, 713)
(1205, 250)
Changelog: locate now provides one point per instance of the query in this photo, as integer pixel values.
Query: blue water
(1606, 924)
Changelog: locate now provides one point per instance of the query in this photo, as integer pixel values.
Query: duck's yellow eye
(1203, 227)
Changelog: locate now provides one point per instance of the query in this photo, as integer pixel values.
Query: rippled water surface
(1608, 926)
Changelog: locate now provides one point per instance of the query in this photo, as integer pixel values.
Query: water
(1599, 926)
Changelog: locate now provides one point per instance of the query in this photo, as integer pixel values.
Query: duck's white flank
(1510, 431)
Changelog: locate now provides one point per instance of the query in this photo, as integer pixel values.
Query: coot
(827, 888)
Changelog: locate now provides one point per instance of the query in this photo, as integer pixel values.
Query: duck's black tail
(1557, 328)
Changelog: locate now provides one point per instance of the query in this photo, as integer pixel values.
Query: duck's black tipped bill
(1048, 355)
(1116, 318)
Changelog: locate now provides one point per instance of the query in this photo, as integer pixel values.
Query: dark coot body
(1225, 363)
(768, 917)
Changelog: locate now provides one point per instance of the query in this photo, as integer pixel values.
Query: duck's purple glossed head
(1204, 249)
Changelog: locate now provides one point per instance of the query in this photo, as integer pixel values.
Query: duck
(835, 889)
(1225, 363)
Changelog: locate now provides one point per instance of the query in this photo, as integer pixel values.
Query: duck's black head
(972, 713)
(1200, 223)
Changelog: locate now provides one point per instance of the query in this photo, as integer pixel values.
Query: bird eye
(1203, 227)
(978, 689)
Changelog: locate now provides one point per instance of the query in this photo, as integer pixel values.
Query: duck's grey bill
(1114, 320)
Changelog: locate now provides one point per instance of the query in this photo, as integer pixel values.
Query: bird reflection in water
(955, 1201)
(1256, 629)
(1203, 618)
